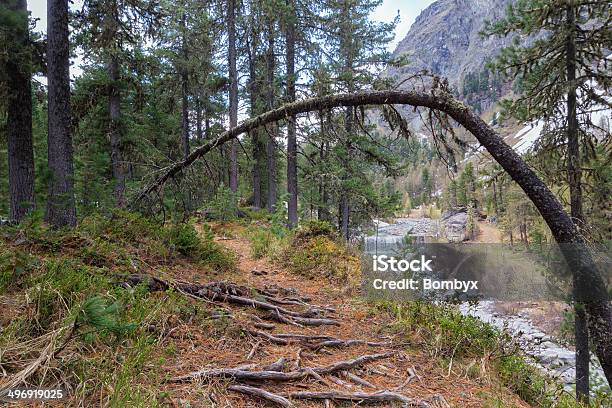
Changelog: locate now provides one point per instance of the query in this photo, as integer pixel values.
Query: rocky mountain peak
(445, 39)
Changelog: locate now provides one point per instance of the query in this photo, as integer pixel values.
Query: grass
(52, 279)
(466, 344)
(312, 251)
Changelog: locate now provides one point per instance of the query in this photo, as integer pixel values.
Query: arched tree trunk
(587, 278)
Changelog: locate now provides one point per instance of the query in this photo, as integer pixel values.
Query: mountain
(445, 39)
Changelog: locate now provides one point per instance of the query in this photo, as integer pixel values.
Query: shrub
(315, 228)
(200, 247)
(321, 256)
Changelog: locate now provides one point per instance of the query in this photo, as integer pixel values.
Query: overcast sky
(408, 9)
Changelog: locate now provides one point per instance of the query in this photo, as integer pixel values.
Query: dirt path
(432, 384)
(488, 233)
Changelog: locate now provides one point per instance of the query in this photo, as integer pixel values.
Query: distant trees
(15, 79)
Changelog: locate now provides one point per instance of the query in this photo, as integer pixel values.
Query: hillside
(445, 39)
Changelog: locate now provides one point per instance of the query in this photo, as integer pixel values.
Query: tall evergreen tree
(109, 31)
(356, 45)
(16, 79)
(567, 56)
(292, 176)
(61, 210)
(233, 91)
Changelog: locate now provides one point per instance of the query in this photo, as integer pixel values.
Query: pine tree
(354, 45)
(570, 57)
(108, 31)
(61, 210)
(233, 91)
(15, 77)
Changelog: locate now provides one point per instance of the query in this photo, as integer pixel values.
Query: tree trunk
(184, 91)
(233, 93)
(61, 209)
(19, 117)
(114, 108)
(495, 205)
(581, 333)
(199, 133)
(255, 91)
(563, 229)
(271, 142)
(292, 176)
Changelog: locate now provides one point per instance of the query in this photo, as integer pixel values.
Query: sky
(408, 9)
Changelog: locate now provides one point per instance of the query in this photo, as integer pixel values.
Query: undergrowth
(59, 287)
(478, 350)
(313, 250)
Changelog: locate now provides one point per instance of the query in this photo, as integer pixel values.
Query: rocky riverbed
(546, 353)
(544, 350)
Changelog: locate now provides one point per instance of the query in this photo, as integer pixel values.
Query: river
(544, 351)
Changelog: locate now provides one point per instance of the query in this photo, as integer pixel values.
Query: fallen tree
(589, 285)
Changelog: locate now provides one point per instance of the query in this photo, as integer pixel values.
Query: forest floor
(433, 384)
(123, 311)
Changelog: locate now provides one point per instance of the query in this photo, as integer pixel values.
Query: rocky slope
(445, 39)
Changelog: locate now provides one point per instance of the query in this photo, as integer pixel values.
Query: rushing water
(545, 351)
(389, 238)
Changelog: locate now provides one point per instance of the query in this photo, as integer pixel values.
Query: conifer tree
(15, 77)
(61, 210)
(566, 58)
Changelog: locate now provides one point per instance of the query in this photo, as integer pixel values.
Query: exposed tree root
(226, 292)
(377, 397)
(277, 376)
(357, 380)
(263, 394)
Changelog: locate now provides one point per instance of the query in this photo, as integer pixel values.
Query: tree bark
(114, 109)
(184, 93)
(233, 92)
(581, 333)
(292, 187)
(271, 142)
(61, 209)
(199, 133)
(19, 116)
(255, 94)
